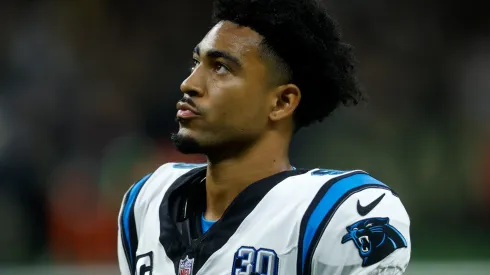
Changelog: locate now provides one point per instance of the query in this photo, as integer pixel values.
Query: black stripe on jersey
(129, 236)
(346, 185)
(173, 214)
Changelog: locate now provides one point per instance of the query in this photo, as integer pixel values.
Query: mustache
(189, 101)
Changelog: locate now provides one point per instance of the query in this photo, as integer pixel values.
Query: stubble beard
(186, 145)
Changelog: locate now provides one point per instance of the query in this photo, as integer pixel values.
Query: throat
(225, 182)
(216, 205)
(219, 197)
(227, 178)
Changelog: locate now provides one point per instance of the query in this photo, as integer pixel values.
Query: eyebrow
(213, 53)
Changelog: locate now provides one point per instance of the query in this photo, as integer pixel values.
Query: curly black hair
(302, 35)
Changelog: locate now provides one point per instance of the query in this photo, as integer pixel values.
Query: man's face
(227, 90)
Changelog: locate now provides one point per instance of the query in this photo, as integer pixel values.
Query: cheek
(239, 114)
(237, 105)
(248, 114)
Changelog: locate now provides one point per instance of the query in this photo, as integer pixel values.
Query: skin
(245, 123)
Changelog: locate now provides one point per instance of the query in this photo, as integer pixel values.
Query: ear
(286, 99)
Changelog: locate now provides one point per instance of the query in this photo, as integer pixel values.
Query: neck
(226, 178)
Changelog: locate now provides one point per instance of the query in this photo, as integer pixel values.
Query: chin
(185, 143)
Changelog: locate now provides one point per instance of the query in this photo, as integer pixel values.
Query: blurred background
(87, 104)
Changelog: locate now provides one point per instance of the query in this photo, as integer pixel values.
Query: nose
(192, 85)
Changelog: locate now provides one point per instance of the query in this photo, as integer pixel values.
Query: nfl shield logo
(185, 266)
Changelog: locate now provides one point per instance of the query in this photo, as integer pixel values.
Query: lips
(185, 111)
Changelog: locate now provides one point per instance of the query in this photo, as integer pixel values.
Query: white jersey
(293, 223)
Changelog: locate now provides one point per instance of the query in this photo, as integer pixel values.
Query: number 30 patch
(249, 260)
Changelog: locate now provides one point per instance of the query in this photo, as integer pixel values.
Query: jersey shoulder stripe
(128, 223)
(320, 211)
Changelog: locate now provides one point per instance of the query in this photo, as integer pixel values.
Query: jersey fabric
(206, 224)
(297, 222)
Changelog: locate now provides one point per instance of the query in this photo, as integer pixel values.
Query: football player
(265, 70)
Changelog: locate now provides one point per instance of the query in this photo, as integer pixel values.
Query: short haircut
(305, 39)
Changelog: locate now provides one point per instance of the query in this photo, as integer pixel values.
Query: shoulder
(140, 196)
(152, 185)
(341, 189)
(314, 192)
(337, 185)
(354, 220)
(351, 194)
(163, 177)
(318, 183)
(174, 169)
(166, 174)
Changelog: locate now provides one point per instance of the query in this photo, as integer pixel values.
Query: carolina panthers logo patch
(375, 238)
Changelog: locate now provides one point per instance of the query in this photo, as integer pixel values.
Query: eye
(369, 225)
(195, 63)
(220, 68)
(355, 228)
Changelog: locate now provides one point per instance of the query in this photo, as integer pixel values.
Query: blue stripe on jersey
(331, 197)
(127, 211)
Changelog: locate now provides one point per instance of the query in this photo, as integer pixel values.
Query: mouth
(365, 243)
(186, 111)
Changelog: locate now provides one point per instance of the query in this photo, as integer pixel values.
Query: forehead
(237, 40)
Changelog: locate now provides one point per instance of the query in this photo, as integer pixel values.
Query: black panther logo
(375, 238)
